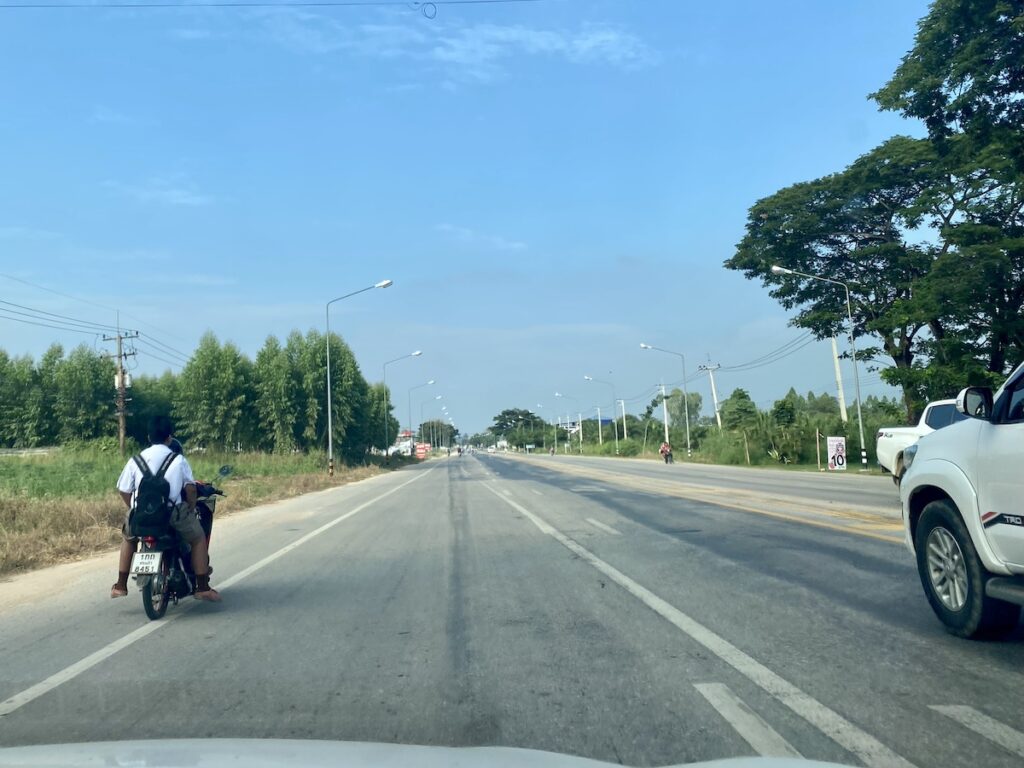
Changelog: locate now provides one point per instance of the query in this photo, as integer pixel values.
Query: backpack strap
(166, 464)
(142, 465)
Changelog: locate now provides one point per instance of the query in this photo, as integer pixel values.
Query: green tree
(210, 404)
(277, 393)
(83, 388)
(964, 74)
(151, 396)
(738, 411)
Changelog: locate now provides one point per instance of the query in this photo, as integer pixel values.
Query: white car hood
(280, 753)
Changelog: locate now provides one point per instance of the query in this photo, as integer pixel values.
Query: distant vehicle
(490, 449)
(891, 442)
(962, 512)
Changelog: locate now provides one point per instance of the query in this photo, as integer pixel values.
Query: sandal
(211, 595)
(116, 591)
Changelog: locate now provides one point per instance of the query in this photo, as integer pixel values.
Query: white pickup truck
(963, 511)
(891, 442)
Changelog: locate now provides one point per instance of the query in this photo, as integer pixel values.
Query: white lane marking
(870, 750)
(18, 700)
(603, 527)
(536, 492)
(1003, 735)
(506, 492)
(761, 737)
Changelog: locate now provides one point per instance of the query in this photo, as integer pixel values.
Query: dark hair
(160, 428)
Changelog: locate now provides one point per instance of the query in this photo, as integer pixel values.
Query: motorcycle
(162, 565)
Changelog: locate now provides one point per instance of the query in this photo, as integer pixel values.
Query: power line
(72, 320)
(94, 304)
(56, 293)
(428, 9)
(155, 356)
(48, 325)
(166, 348)
(786, 349)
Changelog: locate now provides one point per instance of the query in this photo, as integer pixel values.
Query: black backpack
(151, 514)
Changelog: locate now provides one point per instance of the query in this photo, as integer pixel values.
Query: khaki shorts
(184, 522)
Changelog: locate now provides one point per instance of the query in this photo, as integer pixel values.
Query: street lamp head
(645, 346)
(439, 397)
(430, 382)
(588, 378)
(417, 353)
(777, 270)
(383, 284)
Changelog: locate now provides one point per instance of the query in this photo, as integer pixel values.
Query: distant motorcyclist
(666, 452)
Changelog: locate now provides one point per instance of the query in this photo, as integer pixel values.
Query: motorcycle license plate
(146, 562)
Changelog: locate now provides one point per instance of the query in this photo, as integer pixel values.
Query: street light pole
(686, 399)
(579, 416)
(614, 398)
(409, 400)
(387, 401)
(777, 270)
(327, 318)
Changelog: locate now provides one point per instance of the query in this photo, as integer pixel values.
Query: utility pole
(625, 433)
(664, 410)
(839, 380)
(600, 436)
(714, 393)
(121, 382)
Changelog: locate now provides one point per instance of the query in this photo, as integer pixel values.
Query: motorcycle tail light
(149, 539)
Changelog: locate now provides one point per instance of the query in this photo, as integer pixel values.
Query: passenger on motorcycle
(183, 518)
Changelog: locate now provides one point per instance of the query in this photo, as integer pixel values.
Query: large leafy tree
(965, 74)
(83, 386)
(276, 387)
(211, 402)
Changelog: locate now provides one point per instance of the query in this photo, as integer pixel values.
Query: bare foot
(116, 591)
(211, 595)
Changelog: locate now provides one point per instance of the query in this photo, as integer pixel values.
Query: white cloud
(192, 33)
(104, 115)
(28, 233)
(175, 190)
(471, 237)
(474, 53)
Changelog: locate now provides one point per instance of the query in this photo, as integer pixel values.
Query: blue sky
(548, 184)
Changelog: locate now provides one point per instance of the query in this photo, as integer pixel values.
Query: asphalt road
(495, 601)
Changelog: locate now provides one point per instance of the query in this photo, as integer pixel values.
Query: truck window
(1015, 412)
(940, 416)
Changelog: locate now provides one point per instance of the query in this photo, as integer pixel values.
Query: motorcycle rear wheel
(156, 592)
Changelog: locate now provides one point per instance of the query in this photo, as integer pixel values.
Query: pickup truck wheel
(954, 579)
(897, 471)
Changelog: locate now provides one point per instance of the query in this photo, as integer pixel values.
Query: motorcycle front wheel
(155, 592)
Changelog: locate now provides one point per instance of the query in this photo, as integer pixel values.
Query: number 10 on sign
(836, 453)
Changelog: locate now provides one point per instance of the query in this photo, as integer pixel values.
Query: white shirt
(178, 475)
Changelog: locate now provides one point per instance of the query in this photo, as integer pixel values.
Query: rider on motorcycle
(183, 518)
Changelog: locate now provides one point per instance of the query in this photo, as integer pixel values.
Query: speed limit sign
(836, 453)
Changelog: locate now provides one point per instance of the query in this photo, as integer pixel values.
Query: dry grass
(36, 531)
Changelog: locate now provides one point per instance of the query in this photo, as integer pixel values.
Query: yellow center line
(861, 523)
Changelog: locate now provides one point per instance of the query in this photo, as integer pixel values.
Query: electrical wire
(155, 339)
(786, 349)
(34, 313)
(165, 348)
(150, 353)
(46, 325)
(428, 9)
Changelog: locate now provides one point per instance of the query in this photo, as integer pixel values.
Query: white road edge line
(603, 527)
(1003, 735)
(18, 700)
(870, 750)
(536, 492)
(761, 737)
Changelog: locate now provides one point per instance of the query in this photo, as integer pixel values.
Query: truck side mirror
(975, 402)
